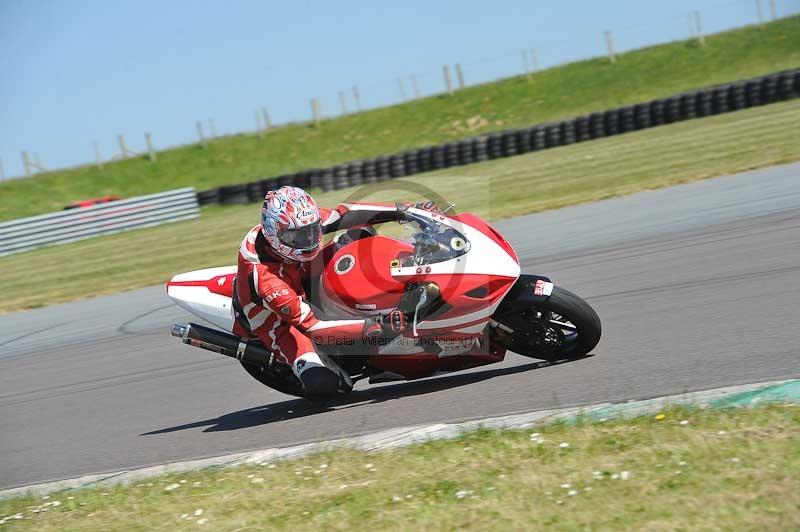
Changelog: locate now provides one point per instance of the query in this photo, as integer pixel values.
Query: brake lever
(423, 297)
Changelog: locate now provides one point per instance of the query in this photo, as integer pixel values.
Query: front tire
(562, 327)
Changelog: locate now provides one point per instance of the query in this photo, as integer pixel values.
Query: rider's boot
(321, 376)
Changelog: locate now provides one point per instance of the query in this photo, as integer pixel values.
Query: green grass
(560, 92)
(723, 470)
(529, 183)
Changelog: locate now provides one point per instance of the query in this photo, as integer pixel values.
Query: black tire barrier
(688, 109)
(656, 113)
(326, 180)
(208, 197)
(494, 146)
(786, 86)
(396, 166)
(285, 181)
(340, 177)
(626, 119)
(382, 167)
(369, 172)
(480, 149)
(314, 178)
(451, 154)
(702, 103)
(796, 77)
(508, 143)
(736, 97)
(301, 179)
(752, 93)
(672, 110)
(523, 141)
(233, 194)
(265, 185)
(552, 135)
(719, 99)
(581, 128)
(611, 122)
(464, 149)
(410, 159)
(567, 131)
(355, 168)
(641, 116)
(424, 159)
(538, 138)
(597, 128)
(254, 192)
(437, 157)
(769, 89)
(354, 173)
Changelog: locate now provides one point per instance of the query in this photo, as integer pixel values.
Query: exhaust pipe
(223, 343)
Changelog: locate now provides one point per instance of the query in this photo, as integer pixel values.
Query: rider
(269, 300)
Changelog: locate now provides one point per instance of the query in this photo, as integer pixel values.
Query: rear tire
(283, 381)
(536, 336)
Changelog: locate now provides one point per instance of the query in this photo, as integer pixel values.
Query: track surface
(697, 286)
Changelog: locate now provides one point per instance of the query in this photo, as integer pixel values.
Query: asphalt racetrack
(698, 286)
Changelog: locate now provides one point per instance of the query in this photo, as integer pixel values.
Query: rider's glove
(386, 325)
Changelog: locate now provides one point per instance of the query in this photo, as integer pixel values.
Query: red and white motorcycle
(457, 279)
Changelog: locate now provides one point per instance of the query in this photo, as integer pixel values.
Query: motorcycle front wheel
(562, 327)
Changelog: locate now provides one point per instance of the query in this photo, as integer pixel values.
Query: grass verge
(550, 179)
(560, 92)
(684, 469)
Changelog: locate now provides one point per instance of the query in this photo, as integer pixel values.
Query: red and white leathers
(270, 302)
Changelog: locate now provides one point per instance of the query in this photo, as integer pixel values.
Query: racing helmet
(291, 225)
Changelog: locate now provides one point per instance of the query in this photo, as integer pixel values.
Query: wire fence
(460, 74)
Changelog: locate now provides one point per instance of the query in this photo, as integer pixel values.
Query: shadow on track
(295, 408)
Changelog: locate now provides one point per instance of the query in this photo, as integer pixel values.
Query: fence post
(413, 78)
(315, 111)
(773, 10)
(460, 76)
(26, 163)
(610, 47)
(534, 60)
(699, 28)
(151, 152)
(759, 13)
(402, 89)
(125, 152)
(122, 148)
(212, 130)
(98, 159)
(199, 126)
(257, 118)
(448, 83)
(267, 120)
(357, 98)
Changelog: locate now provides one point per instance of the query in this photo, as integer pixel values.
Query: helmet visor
(302, 238)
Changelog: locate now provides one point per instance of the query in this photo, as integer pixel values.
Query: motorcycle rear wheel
(563, 327)
(284, 382)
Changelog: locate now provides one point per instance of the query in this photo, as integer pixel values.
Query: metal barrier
(77, 224)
